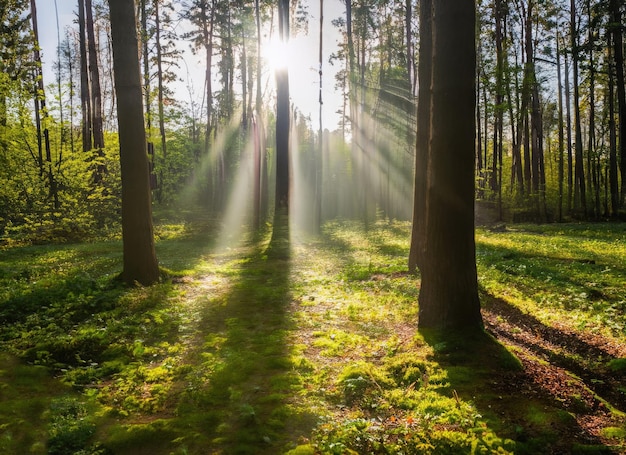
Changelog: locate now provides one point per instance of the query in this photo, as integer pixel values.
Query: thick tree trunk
(140, 262)
(449, 291)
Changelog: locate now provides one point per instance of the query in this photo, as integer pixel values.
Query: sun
(276, 54)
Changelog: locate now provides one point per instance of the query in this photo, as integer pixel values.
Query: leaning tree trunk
(449, 290)
(140, 262)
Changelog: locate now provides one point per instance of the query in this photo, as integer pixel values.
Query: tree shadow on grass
(239, 395)
(505, 392)
(588, 357)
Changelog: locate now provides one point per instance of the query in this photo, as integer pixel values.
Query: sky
(303, 59)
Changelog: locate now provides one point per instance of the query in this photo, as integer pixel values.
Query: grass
(237, 352)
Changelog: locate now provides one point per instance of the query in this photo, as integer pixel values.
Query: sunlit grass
(240, 353)
(572, 274)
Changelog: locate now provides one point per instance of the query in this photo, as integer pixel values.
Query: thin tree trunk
(40, 104)
(561, 132)
(568, 124)
(580, 198)
(160, 96)
(85, 98)
(94, 79)
(613, 169)
(618, 56)
(416, 253)
(280, 234)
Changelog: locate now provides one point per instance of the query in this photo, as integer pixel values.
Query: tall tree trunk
(320, 148)
(94, 79)
(280, 235)
(160, 96)
(208, 19)
(592, 178)
(568, 123)
(580, 197)
(422, 137)
(42, 127)
(85, 97)
(561, 131)
(140, 262)
(448, 296)
(613, 169)
(618, 56)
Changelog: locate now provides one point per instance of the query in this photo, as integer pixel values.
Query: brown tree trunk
(448, 297)
(613, 169)
(561, 131)
(140, 262)
(580, 197)
(94, 79)
(279, 245)
(40, 106)
(618, 56)
(416, 253)
(85, 98)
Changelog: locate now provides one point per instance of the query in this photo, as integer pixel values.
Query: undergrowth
(238, 352)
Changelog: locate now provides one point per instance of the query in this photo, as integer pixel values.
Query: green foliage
(242, 353)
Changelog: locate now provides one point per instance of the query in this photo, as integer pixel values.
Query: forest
(427, 256)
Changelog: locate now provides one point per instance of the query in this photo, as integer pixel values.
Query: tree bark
(94, 79)
(448, 297)
(618, 56)
(84, 79)
(613, 169)
(580, 197)
(140, 262)
(416, 253)
(279, 244)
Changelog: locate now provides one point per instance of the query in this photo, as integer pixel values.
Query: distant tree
(616, 28)
(449, 290)
(424, 74)
(41, 115)
(280, 234)
(140, 262)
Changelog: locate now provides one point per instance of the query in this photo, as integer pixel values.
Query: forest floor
(238, 352)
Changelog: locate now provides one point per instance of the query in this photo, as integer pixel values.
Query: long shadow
(483, 371)
(568, 350)
(240, 394)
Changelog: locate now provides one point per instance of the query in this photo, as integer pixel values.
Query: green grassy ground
(239, 353)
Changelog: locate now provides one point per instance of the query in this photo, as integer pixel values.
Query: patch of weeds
(617, 366)
(408, 436)
(71, 430)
